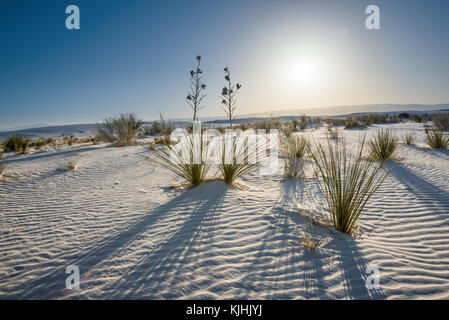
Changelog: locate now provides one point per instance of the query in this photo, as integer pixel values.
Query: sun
(303, 72)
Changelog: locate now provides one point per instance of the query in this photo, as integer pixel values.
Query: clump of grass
(333, 133)
(308, 241)
(293, 152)
(120, 130)
(237, 158)
(2, 163)
(353, 123)
(437, 139)
(17, 144)
(187, 159)
(287, 129)
(347, 182)
(383, 146)
(165, 140)
(409, 137)
(71, 165)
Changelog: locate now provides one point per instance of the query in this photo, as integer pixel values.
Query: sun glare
(303, 73)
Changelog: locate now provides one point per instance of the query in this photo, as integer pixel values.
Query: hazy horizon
(136, 57)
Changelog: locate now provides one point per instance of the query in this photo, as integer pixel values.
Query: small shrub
(347, 182)
(437, 139)
(383, 146)
(71, 165)
(120, 130)
(17, 144)
(353, 123)
(441, 121)
(409, 137)
(333, 133)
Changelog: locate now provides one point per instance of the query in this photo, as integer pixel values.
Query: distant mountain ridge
(89, 129)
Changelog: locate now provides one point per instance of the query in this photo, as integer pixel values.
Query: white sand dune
(135, 238)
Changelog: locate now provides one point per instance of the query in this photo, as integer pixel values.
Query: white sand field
(134, 237)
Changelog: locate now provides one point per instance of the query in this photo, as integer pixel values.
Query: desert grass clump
(71, 165)
(333, 133)
(383, 146)
(309, 242)
(120, 130)
(165, 140)
(17, 144)
(287, 129)
(187, 159)
(409, 137)
(347, 182)
(437, 139)
(2, 163)
(237, 158)
(293, 151)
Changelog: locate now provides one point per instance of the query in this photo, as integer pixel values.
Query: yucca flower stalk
(347, 182)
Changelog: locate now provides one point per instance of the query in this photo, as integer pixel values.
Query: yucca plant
(383, 146)
(187, 159)
(347, 182)
(120, 130)
(287, 129)
(409, 137)
(437, 139)
(237, 158)
(293, 151)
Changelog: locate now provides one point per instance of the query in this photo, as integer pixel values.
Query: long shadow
(52, 285)
(419, 186)
(354, 267)
(47, 155)
(165, 265)
(315, 266)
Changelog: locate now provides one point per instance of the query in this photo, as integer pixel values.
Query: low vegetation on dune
(383, 146)
(186, 159)
(119, 130)
(293, 151)
(409, 137)
(2, 163)
(237, 158)
(347, 182)
(17, 144)
(161, 127)
(441, 121)
(437, 139)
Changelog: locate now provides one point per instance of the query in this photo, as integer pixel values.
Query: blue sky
(135, 56)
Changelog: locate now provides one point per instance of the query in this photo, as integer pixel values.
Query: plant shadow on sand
(46, 155)
(337, 262)
(436, 197)
(52, 285)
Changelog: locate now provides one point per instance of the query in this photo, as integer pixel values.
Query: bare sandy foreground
(133, 237)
